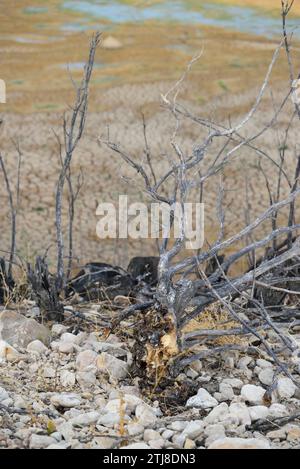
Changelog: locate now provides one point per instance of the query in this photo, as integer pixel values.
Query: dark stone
(98, 280)
(144, 269)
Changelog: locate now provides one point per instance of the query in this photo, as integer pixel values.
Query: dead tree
(47, 289)
(180, 296)
(73, 130)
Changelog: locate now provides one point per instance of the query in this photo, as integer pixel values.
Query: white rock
(286, 388)
(58, 329)
(8, 353)
(86, 419)
(62, 445)
(3, 394)
(194, 429)
(167, 434)
(36, 346)
(258, 412)
(202, 400)
(150, 434)
(253, 394)
(226, 392)
(158, 443)
(116, 406)
(68, 337)
(235, 383)
(49, 372)
(213, 433)
(19, 331)
(67, 430)
(218, 414)
(66, 347)
(86, 361)
(57, 436)
(135, 429)
(239, 411)
(266, 376)
(40, 441)
(239, 443)
(86, 379)
(111, 419)
(277, 434)
(115, 368)
(263, 363)
(278, 411)
(244, 362)
(145, 415)
(179, 440)
(132, 401)
(67, 378)
(66, 400)
(19, 402)
(104, 442)
(136, 446)
(178, 425)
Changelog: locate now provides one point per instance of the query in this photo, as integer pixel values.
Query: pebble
(135, 429)
(194, 429)
(136, 446)
(86, 361)
(235, 383)
(36, 346)
(266, 376)
(49, 372)
(213, 433)
(115, 368)
(67, 337)
(66, 400)
(189, 444)
(293, 433)
(253, 394)
(41, 441)
(86, 379)
(244, 362)
(277, 434)
(263, 363)
(67, 378)
(8, 353)
(226, 392)
(145, 415)
(202, 400)
(151, 435)
(85, 419)
(278, 411)
(286, 388)
(66, 347)
(167, 434)
(58, 329)
(3, 394)
(240, 412)
(218, 414)
(239, 443)
(159, 443)
(258, 412)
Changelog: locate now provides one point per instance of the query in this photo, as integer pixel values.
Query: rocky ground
(70, 385)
